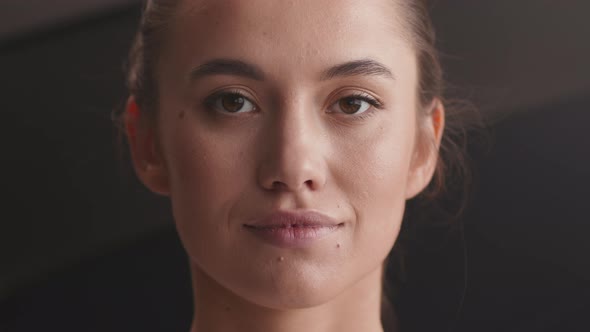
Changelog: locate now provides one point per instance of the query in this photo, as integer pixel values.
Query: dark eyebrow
(227, 67)
(358, 68)
(241, 68)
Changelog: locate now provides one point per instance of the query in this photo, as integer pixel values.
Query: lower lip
(292, 237)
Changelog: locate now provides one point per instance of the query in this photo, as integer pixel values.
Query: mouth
(293, 229)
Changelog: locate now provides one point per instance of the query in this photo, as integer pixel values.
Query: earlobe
(145, 155)
(427, 149)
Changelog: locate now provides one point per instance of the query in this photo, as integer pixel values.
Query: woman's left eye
(354, 105)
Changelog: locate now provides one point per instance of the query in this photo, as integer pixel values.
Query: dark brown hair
(451, 175)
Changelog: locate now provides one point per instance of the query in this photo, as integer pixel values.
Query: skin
(296, 150)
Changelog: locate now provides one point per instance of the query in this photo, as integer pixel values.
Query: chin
(294, 287)
(298, 295)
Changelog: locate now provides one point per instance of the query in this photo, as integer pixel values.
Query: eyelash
(374, 102)
(210, 101)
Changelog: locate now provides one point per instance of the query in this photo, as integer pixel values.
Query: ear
(145, 153)
(426, 149)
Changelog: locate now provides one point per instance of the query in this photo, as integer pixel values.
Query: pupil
(350, 105)
(233, 103)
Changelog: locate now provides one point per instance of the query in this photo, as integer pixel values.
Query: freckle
(181, 114)
(227, 308)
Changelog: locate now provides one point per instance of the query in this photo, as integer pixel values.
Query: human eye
(356, 104)
(232, 101)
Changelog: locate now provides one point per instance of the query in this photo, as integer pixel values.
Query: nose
(294, 157)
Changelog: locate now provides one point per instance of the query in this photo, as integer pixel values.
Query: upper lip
(295, 218)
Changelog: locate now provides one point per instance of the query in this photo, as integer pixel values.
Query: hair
(446, 193)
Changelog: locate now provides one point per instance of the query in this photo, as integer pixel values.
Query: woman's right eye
(230, 102)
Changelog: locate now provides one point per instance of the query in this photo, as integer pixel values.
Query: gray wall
(22, 17)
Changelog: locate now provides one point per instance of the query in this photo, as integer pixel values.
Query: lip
(293, 229)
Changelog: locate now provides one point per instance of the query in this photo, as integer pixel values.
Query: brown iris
(350, 105)
(232, 102)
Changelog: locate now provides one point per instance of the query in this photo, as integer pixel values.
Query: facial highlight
(287, 137)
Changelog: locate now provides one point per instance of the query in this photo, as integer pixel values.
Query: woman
(289, 136)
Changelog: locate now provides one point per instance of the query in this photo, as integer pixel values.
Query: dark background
(83, 246)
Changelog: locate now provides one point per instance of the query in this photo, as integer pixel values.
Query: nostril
(278, 185)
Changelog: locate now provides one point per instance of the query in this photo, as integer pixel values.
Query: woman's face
(287, 106)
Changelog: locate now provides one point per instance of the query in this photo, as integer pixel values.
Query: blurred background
(83, 246)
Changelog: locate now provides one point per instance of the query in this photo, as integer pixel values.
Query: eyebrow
(234, 67)
(227, 67)
(363, 67)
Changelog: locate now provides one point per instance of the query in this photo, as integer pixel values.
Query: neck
(219, 310)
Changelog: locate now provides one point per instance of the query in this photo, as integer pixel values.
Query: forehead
(301, 33)
(267, 12)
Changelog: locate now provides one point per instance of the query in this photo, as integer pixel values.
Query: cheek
(374, 176)
(208, 173)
